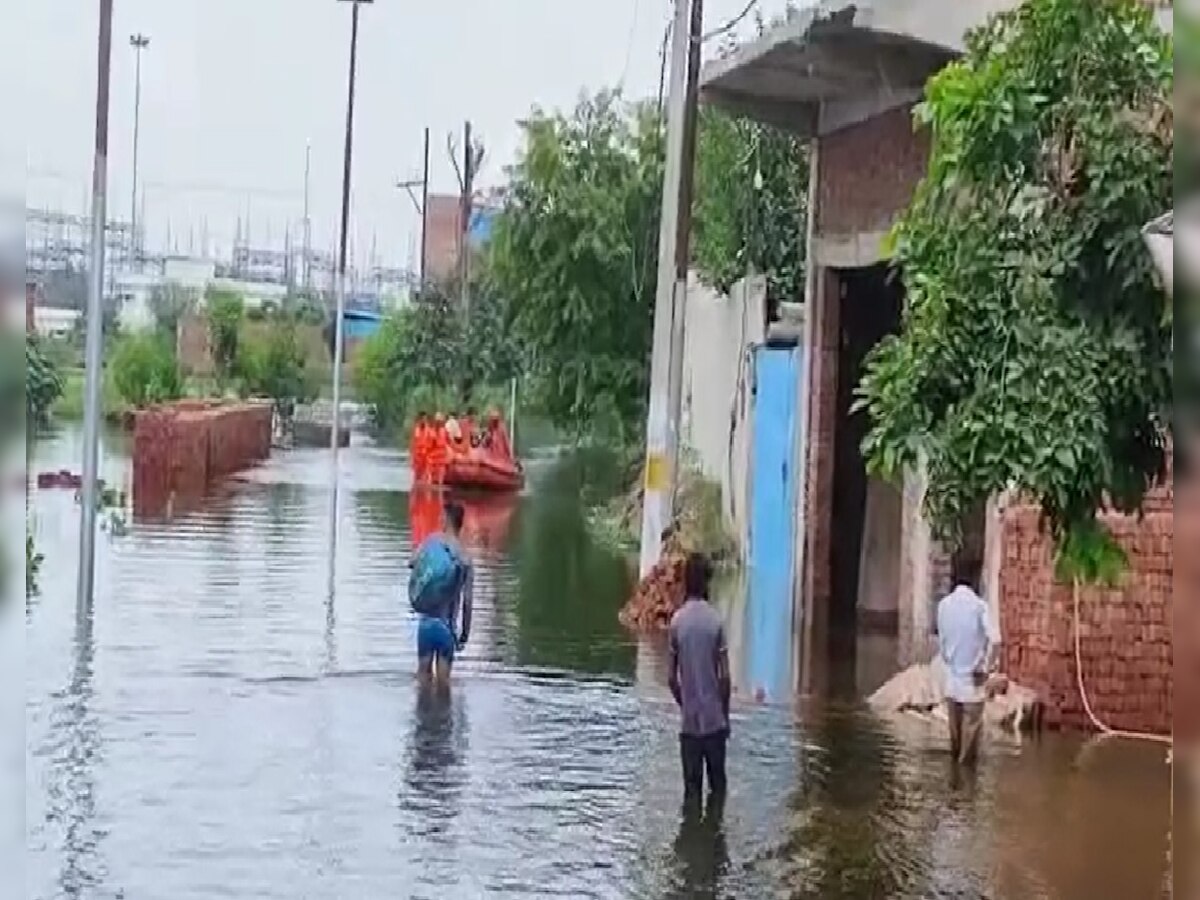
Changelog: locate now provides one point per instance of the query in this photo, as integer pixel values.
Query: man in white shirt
(967, 643)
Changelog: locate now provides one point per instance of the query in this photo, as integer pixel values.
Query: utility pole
(464, 244)
(305, 265)
(93, 356)
(340, 305)
(139, 42)
(425, 209)
(662, 426)
(422, 205)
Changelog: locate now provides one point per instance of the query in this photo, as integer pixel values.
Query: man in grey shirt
(700, 681)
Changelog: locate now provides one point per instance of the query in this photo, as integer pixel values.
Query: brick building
(846, 76)
(443, 237)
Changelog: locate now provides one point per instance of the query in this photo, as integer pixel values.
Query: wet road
(218, 728)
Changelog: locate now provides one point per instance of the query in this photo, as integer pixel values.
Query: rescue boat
(477, 468)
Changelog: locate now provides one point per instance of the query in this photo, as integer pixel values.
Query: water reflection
(435, 764)
(701, 851)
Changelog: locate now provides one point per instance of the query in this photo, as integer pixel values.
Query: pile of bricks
(1126, 633)
(180, 449)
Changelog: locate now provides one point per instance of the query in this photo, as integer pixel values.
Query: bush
(43, 383)
(275, 366)
(145, 370)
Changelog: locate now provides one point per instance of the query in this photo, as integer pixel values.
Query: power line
(637, 8)
(731, 24)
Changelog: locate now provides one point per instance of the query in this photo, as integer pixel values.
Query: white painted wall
(719, 334)
(49, 321)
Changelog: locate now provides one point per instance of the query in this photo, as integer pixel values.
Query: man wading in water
(700, 682)
(441, 586)
(967, 644)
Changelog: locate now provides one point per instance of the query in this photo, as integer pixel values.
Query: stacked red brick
(1126, 632)
(181, 449)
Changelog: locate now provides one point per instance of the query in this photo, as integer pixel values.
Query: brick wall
(822, 427)
(443, 238)
(1126, 632)
(867, 173)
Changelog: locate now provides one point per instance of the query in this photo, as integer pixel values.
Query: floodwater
(218, 728)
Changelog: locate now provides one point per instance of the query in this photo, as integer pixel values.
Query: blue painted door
(769, 606)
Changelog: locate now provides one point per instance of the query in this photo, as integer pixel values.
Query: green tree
(427, 354)
(274, 365)
(145, 371)
(43, 382)
(1034, 352)
(574, 253)
(751, 199)
(225, 311)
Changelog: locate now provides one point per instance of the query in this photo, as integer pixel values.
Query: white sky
(232, 89)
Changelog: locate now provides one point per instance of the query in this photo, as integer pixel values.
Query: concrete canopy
(837, 51)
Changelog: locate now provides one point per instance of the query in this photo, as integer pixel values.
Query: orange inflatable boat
(477, 468)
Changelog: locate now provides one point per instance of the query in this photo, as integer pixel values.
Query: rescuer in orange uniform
(439, 450)
(496, 437)
(419, 448)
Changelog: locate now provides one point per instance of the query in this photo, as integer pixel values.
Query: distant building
(52, 322)
(443, 223)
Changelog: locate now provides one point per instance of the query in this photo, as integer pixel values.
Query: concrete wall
(719, 333)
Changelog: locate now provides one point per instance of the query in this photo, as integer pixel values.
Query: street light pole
(139, 42)
(91, 419)
(307, 220)
(340, 307)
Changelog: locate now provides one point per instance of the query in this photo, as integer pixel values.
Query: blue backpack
(434, 577)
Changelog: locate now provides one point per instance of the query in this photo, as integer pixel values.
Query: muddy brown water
(216, 727)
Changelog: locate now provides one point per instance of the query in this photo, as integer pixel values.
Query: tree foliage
(751, 200)
(574, 250)
(1034, 352)
(225, 311)
(275, 365)
(43, 382)
(430, 355)
(145, 370)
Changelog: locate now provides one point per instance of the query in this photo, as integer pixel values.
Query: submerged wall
(181, 449)
(1127, 642)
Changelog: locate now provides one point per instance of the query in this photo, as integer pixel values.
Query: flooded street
(220, 728)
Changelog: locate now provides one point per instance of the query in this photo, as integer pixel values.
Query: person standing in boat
(439, 450)
(419, 449)
(496, 438)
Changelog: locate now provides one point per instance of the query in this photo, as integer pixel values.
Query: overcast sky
(233, 89)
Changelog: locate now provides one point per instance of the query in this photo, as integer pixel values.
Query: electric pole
(464, 245)
(89, 490)
(305, 264)
(425, 210)
(139, 42)
(662, 426)
(340, 305)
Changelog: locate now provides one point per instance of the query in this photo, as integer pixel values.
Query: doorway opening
(866, 512)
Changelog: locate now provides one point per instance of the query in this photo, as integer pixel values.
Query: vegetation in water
(1036, 348)
(275, 365)
(145, 370)
(224, 311)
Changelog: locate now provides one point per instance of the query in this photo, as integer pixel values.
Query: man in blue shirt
(436, 640)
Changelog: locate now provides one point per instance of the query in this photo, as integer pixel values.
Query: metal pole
(682, 249)
(340, 308)
(464, 246)
(425, 210)
(656, 510)
(91, 419)
(512, 416)
(306, 271)
(139, 43)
